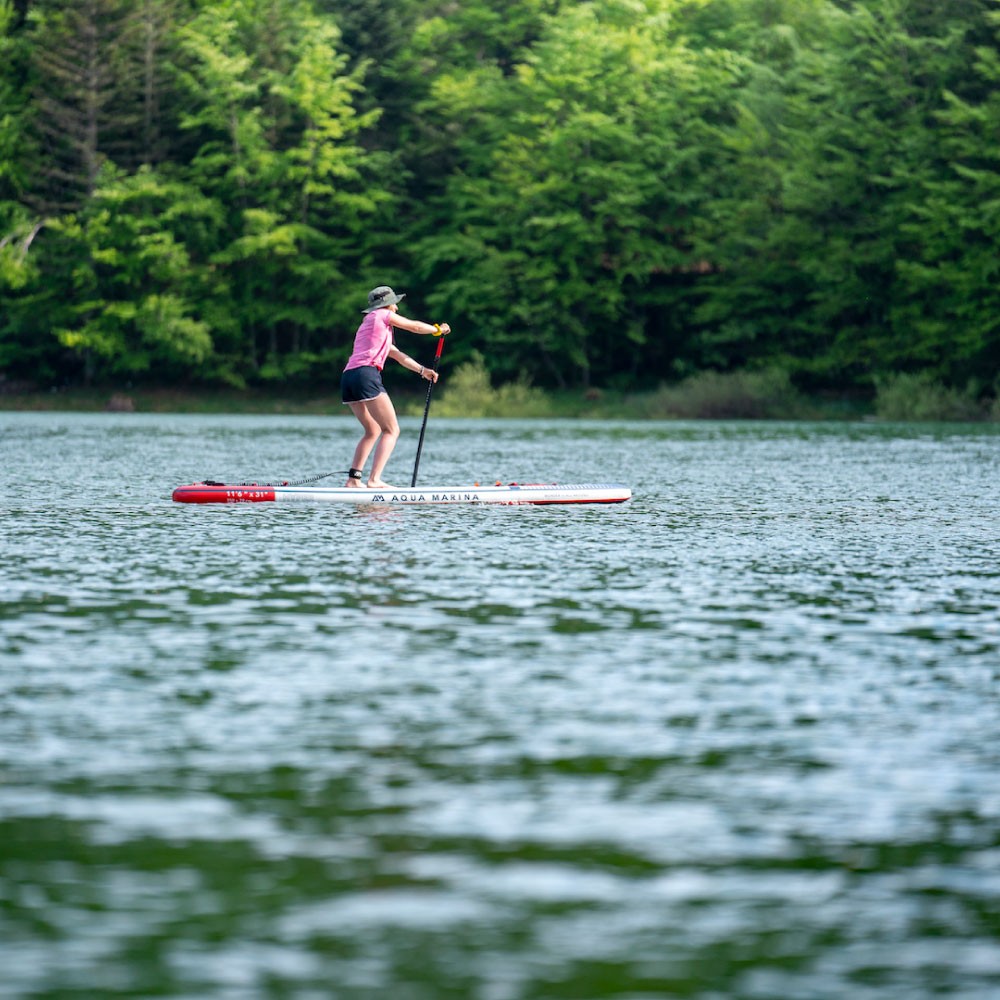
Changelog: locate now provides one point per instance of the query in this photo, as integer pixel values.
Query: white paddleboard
(512, 493)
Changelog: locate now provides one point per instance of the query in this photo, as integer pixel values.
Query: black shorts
(357, 385)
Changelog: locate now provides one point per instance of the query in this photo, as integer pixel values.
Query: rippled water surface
(737, 738)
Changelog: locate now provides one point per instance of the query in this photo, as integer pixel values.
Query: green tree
(83, 113)
(22, 354)
(809, 244)
(581, 176)
(17, 151)
(276, 127)
(946, 316)
(139, 301)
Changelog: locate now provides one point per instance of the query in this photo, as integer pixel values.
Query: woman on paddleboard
(361, 384)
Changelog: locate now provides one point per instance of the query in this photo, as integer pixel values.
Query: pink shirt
(372, 341)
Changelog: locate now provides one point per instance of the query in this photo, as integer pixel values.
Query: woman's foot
(353, 483)
(377, 484)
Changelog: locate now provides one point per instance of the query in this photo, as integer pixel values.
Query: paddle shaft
(427, 406)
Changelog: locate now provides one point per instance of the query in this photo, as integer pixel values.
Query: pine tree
(149, 37)
(99, 68)
(74, 96)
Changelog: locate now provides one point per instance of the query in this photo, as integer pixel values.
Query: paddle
(427, 406)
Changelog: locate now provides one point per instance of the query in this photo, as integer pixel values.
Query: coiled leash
(283, 482)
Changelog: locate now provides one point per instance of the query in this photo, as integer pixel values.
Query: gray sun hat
(379, 298)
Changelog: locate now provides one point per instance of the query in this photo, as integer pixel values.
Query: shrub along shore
(468, 392)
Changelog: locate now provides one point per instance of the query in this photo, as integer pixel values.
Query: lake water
(736, 738)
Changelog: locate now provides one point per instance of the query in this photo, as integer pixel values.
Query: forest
(613, 194)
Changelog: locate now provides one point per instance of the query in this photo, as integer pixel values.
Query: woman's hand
(429, 374)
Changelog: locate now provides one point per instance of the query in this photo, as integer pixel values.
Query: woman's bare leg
(378, 418)
(368, 439)
(384, 413)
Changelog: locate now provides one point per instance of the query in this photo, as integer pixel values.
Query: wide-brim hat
(379, 298)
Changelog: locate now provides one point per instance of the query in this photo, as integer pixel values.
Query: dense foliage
(611, 193)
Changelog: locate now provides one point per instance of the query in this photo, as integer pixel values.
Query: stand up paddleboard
(512, 493)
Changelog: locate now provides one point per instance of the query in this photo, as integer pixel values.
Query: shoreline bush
(918, 397)
(468, 392)
(741, 395)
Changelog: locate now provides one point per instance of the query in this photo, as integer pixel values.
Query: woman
(361, 384)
